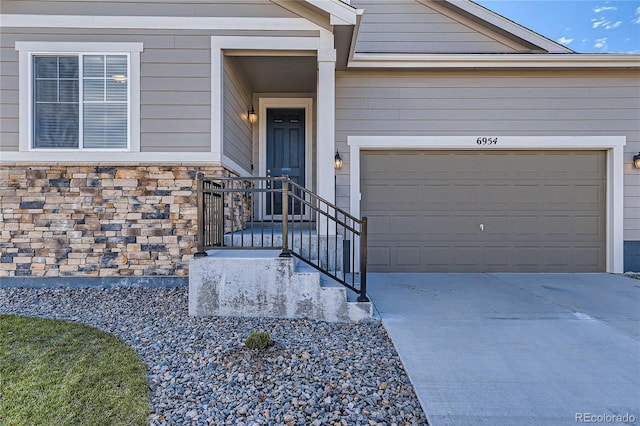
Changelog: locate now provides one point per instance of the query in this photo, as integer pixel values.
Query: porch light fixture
(636, 161)
(253, 117)
(337, 161)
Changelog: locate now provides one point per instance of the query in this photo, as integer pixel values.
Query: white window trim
(26, 51)
(614, 145)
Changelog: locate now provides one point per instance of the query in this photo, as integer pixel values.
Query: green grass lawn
(61, 373)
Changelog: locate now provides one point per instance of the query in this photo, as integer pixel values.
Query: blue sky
(585, 26)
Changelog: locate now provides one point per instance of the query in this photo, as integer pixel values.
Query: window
(79, 96)
(80, 101)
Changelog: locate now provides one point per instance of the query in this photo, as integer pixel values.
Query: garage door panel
(558, 255)
(525, 226)
(587, 257)
(588, 197)
(495, 226)
(465, 196)
(406, 226)
(589, 227)
(379, 225)
(436, 226)
(496, 256)
(556, 227)
(524, 196)
(464, 255)
(437, 256)
(496, 195)
(378, 257)
(434, 196)
(541, 210)
(408, 256)
(525, 257)
(405, 193)
(465, 227)
(557, 196)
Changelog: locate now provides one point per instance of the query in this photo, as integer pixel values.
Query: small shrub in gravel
(259, 340)
(199, 373)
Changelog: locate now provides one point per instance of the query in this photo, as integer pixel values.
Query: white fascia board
(100, 157)
(509, 26)
(504, 142)
(156, 22)
(498, 60)
(340, 12)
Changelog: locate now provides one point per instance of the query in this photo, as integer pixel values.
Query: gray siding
(175, 84)
(245, 8)
(175, 95)
(407, 26)
(493, 103)
(237, 129)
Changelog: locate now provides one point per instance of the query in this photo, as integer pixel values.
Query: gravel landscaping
(635, 275)
(200, 373)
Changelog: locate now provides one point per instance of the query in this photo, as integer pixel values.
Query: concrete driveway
(517, 349)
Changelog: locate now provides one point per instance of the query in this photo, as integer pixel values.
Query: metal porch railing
(278, 213)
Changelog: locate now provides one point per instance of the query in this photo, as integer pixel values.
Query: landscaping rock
(200, 372)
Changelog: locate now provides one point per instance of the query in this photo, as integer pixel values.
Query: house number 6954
(487, 141)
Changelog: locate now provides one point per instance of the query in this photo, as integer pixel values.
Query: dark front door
(285, 151)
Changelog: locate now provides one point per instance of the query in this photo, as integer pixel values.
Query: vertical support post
(363, 262)
(201, 227)
(325, 140)
(285, 218)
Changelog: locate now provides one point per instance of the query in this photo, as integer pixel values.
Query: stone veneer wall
(106, 220)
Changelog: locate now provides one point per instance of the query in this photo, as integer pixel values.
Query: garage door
(539, 211)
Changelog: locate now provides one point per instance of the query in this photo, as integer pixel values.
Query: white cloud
(601, 43)
(612, 26)
(636, 21)
(599, 9)
(605, 23)
(564, 40)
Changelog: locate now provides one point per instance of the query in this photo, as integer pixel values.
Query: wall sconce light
(636, 161)
(337, 161)
(253, 117)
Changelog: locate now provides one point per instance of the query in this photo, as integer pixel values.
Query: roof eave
(493, 61)
(340, 12)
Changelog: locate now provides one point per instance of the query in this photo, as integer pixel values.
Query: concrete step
(259, 283)
(328, 282)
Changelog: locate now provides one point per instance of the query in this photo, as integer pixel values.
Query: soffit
(281, 74)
